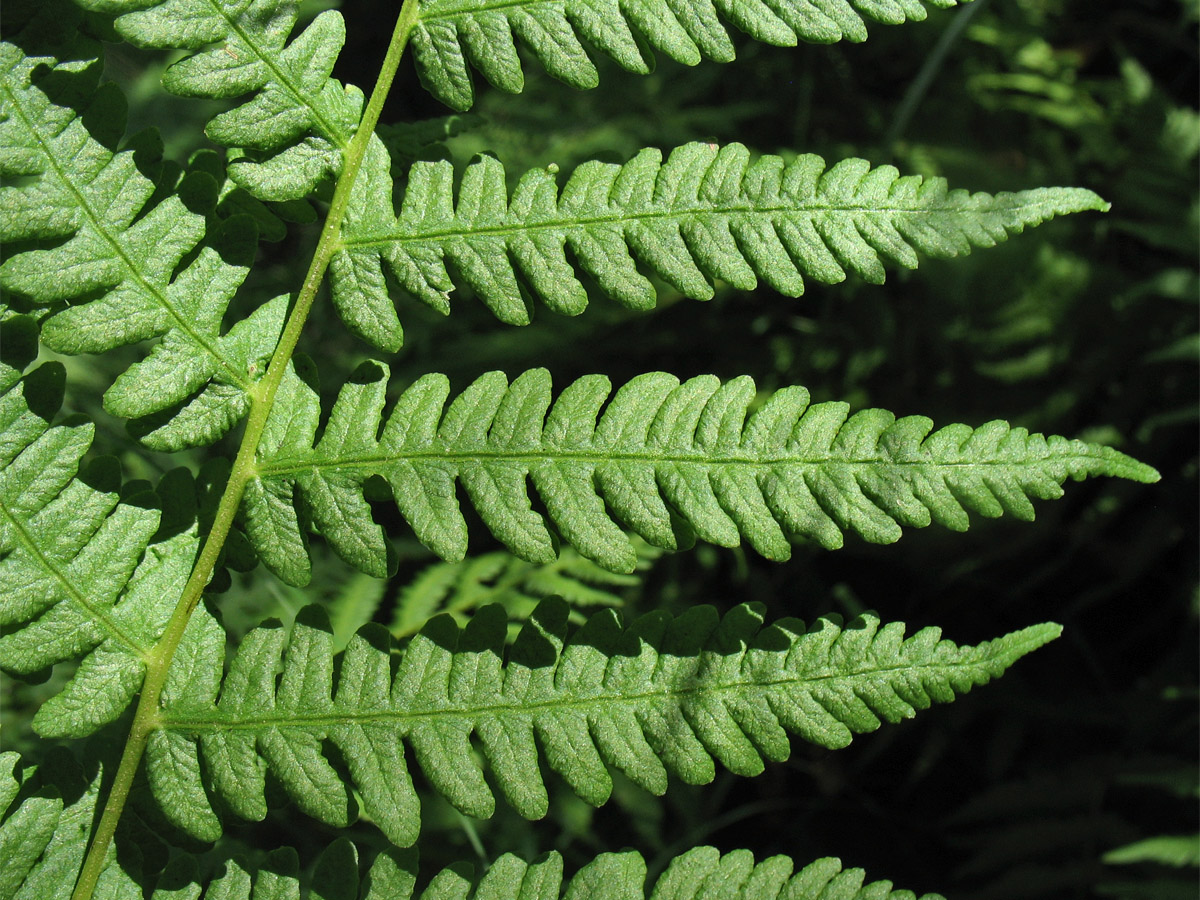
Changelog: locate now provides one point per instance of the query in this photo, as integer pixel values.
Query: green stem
(145, 719)
(933, 63)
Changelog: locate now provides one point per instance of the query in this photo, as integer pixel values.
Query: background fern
(516, 585)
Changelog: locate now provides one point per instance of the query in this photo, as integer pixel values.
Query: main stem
(158, 663)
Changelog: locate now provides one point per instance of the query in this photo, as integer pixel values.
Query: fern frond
(81, 574)
(658, 453)
(659, 696)
(451, 32)
(116, 250)
(515, 584)
(298, 120)
(1178, 850)
(43, 836)
(700, 873)
(707, 213)
(42, 840)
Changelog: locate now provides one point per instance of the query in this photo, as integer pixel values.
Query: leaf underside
(295, 122)
(123, 250)
(659, 696)
(43, 838)
(92, 229)
(706, 214)
(517, 585)
(82, 575)
(663, 459)
(452, 33)
(298, 119)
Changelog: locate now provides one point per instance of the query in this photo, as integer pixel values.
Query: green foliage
(40, 836)
(662, 457)
(451, 31)
(48, 814)
(656, 698)
(512, 672)
(1169, 850)
(707, 213)
(85, 575)
(297, 123)
(133, 264)
(459, 587)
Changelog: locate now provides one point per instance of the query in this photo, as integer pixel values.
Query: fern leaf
(43, 837)
(659, 452)
(117, 249)
(42, 842)
(518, 586)
(1176, 850)
(298, 120)
(451, 32)
(659, 696)
(50, 814)
(707, 213)
(702, 872)
(82, 575)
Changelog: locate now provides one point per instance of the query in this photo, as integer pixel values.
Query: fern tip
(1143, 473)
(1032, 638)
(1122, 465)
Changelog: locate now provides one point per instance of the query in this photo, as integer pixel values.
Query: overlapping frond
(43, 837)
(450, 33)
(659, 696)
(131, 263)
(706, 213)
(517, 585)
(698, 874)
(656, 457)
(83, 575)
(46, 817)
(297, 120)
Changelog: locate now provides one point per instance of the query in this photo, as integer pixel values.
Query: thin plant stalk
(158, 661)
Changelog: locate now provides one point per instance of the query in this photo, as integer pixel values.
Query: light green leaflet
(40, 843)
(297, 120)
(83, 575)
(707, 213)
(658, 696)
(451, 32)
(300, 119)
(460, 587)
(119, 244)
(710, 458)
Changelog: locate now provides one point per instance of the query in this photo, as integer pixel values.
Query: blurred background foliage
(1075, 775)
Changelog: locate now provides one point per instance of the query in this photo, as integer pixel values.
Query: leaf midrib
(97, 613)
(331, 718)
(622, 217)
(288, 467)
